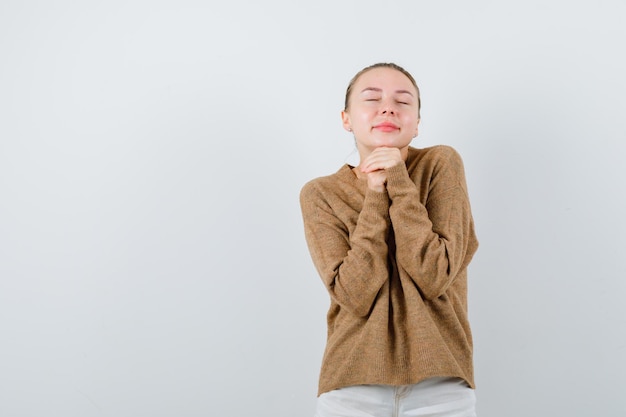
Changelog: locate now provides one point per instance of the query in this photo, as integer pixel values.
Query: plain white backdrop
(152, 258)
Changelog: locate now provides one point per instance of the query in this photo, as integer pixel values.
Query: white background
(152, 258)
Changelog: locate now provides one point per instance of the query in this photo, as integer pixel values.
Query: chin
(392, 144)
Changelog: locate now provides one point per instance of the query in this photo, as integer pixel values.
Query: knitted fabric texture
(395, 266)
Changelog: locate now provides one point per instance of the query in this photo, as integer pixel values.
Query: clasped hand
(375, 164)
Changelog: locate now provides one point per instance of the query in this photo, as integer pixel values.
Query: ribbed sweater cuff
(379, 201)
(397, 178)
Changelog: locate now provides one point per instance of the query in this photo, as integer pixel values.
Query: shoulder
(437, 169)
(434, 158)
(317, 185)
(325, 185)
(439, 153)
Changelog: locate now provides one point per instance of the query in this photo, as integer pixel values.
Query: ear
(345, 118)
(416, 128)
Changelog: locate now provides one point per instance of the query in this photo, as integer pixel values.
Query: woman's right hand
(376, 163)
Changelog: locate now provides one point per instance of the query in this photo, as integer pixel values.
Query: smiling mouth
(386, 127)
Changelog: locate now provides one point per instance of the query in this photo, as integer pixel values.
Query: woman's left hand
(381, 158)
(375, 165)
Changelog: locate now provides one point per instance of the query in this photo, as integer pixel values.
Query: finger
(377, 162)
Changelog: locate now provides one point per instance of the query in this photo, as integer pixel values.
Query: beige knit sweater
(395, 266)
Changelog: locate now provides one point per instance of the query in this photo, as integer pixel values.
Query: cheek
(411, 122)
(362, 120)
(408, 122)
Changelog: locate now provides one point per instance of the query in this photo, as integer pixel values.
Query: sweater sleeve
(353, 266)
(435, 240)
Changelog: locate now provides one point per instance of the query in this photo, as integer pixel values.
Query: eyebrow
(379, 90)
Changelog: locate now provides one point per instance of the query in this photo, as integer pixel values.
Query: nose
(387, 108)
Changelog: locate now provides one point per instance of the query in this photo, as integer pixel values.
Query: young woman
(391, 239)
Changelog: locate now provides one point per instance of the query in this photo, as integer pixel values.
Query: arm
(353, 266)
(437, 240)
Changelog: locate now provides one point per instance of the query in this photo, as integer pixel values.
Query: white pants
(434, 397)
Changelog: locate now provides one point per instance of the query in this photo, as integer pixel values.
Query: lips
(386, 127)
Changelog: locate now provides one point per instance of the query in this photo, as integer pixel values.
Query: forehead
(385, 79)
